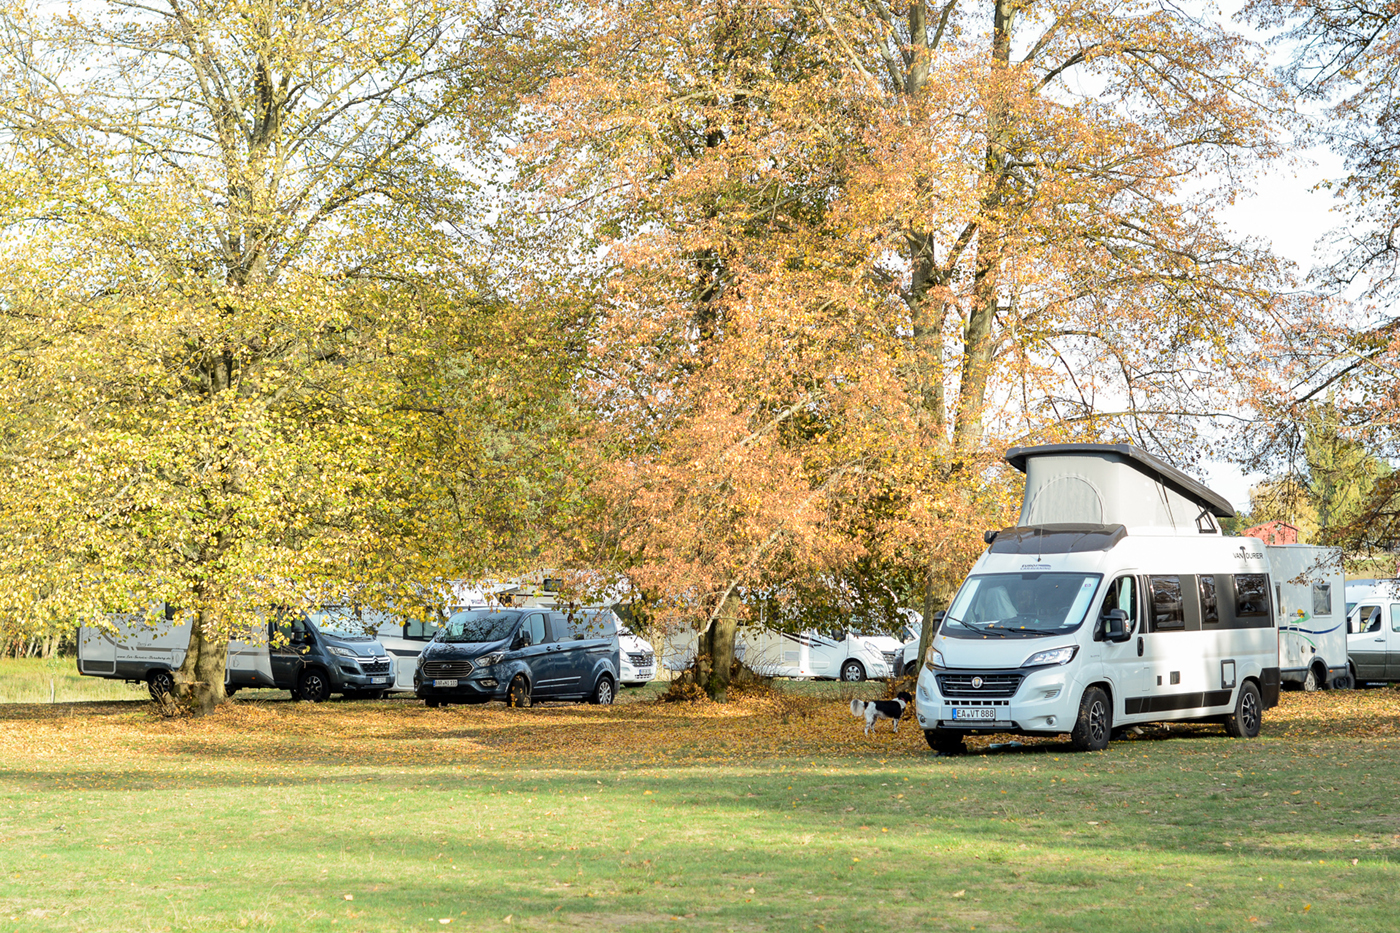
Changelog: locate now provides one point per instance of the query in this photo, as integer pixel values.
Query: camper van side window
(1251, 595)
(1210, 606)
(1368, 619)
(1168, 610)
(1395, 617)
(1322, 599)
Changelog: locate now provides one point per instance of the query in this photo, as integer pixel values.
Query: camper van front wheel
(1248, 716)
(312, 687)
(160, 684)
(853, 672)
(1094, 724)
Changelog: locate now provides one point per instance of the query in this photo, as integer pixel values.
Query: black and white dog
(876, 710)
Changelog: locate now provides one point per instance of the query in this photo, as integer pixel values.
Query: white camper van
(1373, 630)
(1312, 638)
(1115, 600)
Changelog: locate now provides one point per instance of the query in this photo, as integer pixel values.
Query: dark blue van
(520, 656)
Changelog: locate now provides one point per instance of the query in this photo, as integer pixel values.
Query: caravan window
(1251, 595)
(1168, 610)
(1395, 617)
(1020, 604)
(1322, 599)
(1210, 606)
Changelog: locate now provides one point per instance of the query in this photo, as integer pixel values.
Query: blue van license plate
(444, 683)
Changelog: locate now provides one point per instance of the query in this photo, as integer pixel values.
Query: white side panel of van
(97, 652)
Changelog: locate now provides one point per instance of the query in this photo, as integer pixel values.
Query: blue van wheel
(604, 693)
(519, 693)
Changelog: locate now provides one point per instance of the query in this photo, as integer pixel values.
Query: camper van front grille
(375, 665)
(447, 668)
(989, 685)
(641, 659)
(892, 658)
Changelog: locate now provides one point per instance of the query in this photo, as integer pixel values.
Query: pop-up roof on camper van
(1107, 484)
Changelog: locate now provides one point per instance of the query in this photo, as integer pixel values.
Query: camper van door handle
(1139, 646)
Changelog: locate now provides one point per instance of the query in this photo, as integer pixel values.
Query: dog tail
(858, 709)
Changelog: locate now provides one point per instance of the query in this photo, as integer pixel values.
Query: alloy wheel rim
(1096, 720)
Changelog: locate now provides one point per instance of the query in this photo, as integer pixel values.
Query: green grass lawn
(34, 680)
(768, 813)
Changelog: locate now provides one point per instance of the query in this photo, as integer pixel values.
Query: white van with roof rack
(1116, 600)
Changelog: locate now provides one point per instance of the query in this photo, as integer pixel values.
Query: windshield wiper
(1001, 633)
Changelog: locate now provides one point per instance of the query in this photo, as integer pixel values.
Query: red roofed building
(1273, 533)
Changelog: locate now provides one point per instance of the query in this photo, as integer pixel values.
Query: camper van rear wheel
(1310, 680)
(853, 671)
(160, 684)
(519, 693)
(944, 741)
(1094, 725)
(1248, 716)
(911, 668)
(313, 687)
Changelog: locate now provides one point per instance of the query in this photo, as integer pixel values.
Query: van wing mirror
(1115, 625)
(938, 619)
(522, 640)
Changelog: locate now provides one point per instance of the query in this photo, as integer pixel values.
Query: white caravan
(1312, 638)
(1115, 600)
(842, 655)
(141, 648)
(1373, 630)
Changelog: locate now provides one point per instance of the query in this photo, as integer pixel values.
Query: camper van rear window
(1020, 605)
(1168, 610)
(1251, 595)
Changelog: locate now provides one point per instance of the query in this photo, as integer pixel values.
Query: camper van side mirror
(938, 619)
(1115, 625)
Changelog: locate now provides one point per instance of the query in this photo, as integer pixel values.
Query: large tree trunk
(199, 683)
(716, 652)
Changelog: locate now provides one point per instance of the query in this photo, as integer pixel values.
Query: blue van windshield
(1020, 605)
(479, 626)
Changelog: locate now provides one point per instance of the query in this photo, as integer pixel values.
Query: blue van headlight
(486, 660)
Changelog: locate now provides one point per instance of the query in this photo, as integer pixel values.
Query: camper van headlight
(934, 658)
(486, 660)
(343, 652)
(1052, 656)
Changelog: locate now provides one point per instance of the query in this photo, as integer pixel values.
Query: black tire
(1248, 717)
(852, 672)
(518, 694)
(230, 691)
(604, 693)
(1310, 682)
(430, 703)
(1093, 727)
(911, 668)
(1343, 681)
(160, 683)
(945, 741)
(313, 686)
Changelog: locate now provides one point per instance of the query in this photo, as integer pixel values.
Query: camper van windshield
(346, 622)
(1020, 605)
(480, 626)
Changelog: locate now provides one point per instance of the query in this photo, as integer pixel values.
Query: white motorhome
(1312, 637)
(636, 658)
(312, 655)
(1115, 600)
